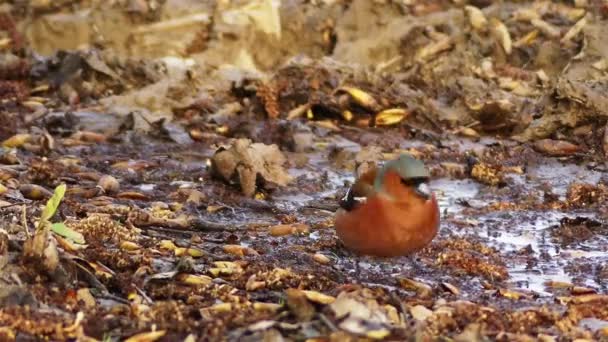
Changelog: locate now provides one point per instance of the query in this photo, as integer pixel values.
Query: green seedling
(58, 228)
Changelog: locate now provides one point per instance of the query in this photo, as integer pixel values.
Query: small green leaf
(53, 203)
(68, 233)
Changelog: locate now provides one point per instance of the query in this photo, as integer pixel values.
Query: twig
(24, 221)
(144, 295)
(333, 207)
(328, 322)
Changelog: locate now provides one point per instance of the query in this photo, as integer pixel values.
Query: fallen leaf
(246, 161)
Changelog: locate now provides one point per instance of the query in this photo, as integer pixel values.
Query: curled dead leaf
(420, 313)
(239, 250)
(167, 244)
(132, 195)
(246, 162)
(225, 268)
(556, 148)
(147, 336)
(254, 284)
(453, 289)
(193, 279)
(391, 116)
(298, 304)
(222, 307)
(129, 246)
(360, 97)
(511, 294)
(423, 290)
(259, 306)
(319, 297)
(34, 192)
(288, 229)
(17, 140)
(193, 252)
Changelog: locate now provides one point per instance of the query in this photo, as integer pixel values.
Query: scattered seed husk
(321, 258)
(34, 192)
(574, 30)
(476, 17)
(503, 35)
(453, 289)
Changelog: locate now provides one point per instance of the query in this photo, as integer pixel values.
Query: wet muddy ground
(204, 147)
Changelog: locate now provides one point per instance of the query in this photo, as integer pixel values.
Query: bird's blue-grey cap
(406, 166)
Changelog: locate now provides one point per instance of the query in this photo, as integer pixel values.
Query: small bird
(389, 211)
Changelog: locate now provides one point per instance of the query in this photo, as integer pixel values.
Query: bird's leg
(414, 264)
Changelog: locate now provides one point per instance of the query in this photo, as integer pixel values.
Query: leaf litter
(172, 174)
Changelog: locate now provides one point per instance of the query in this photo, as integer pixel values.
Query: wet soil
(175, 248)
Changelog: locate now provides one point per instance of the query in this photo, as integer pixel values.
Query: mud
(136, 107)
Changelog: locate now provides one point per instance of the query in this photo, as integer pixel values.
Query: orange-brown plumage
(395, 219)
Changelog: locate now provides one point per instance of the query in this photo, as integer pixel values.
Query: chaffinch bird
(389, 211)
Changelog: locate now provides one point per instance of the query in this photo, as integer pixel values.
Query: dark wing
(350, 201)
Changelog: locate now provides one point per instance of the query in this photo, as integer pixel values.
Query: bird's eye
(420, 186)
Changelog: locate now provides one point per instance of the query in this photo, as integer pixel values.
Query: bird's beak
(423, 190)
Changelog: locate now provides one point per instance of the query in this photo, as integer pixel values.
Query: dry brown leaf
(246, 161)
